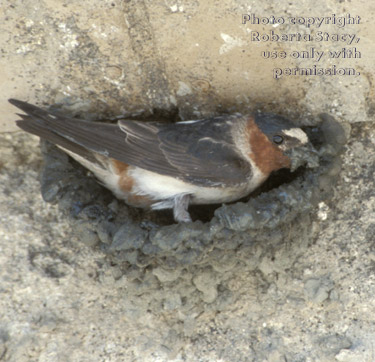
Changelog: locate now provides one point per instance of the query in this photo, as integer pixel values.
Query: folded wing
(201, 152)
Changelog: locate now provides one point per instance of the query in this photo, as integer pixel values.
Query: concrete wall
(114, 57)
(311, 298)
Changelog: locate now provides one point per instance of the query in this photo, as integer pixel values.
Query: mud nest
(177, 266)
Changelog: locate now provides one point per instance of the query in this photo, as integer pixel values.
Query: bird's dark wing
(75, 135)
(200, 152)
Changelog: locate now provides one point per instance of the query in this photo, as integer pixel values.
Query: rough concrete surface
(287, 275)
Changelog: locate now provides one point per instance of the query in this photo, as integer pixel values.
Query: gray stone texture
(286, 275)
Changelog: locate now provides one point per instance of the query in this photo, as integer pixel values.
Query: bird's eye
(278, 139)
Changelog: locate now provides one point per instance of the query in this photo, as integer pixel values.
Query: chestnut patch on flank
(266, 156)
(126, 183)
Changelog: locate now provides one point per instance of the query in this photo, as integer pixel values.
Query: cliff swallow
(158, 165)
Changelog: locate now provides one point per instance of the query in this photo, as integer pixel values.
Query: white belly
(161, 187)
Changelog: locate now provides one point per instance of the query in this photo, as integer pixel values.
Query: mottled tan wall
(119, 57)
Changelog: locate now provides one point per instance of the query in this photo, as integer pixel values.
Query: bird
(158, 165)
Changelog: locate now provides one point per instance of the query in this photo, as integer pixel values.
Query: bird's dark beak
(303, 155)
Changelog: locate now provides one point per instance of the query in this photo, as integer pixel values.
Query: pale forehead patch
(297, 133)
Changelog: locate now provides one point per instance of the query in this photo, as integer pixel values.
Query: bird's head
(291, 140)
